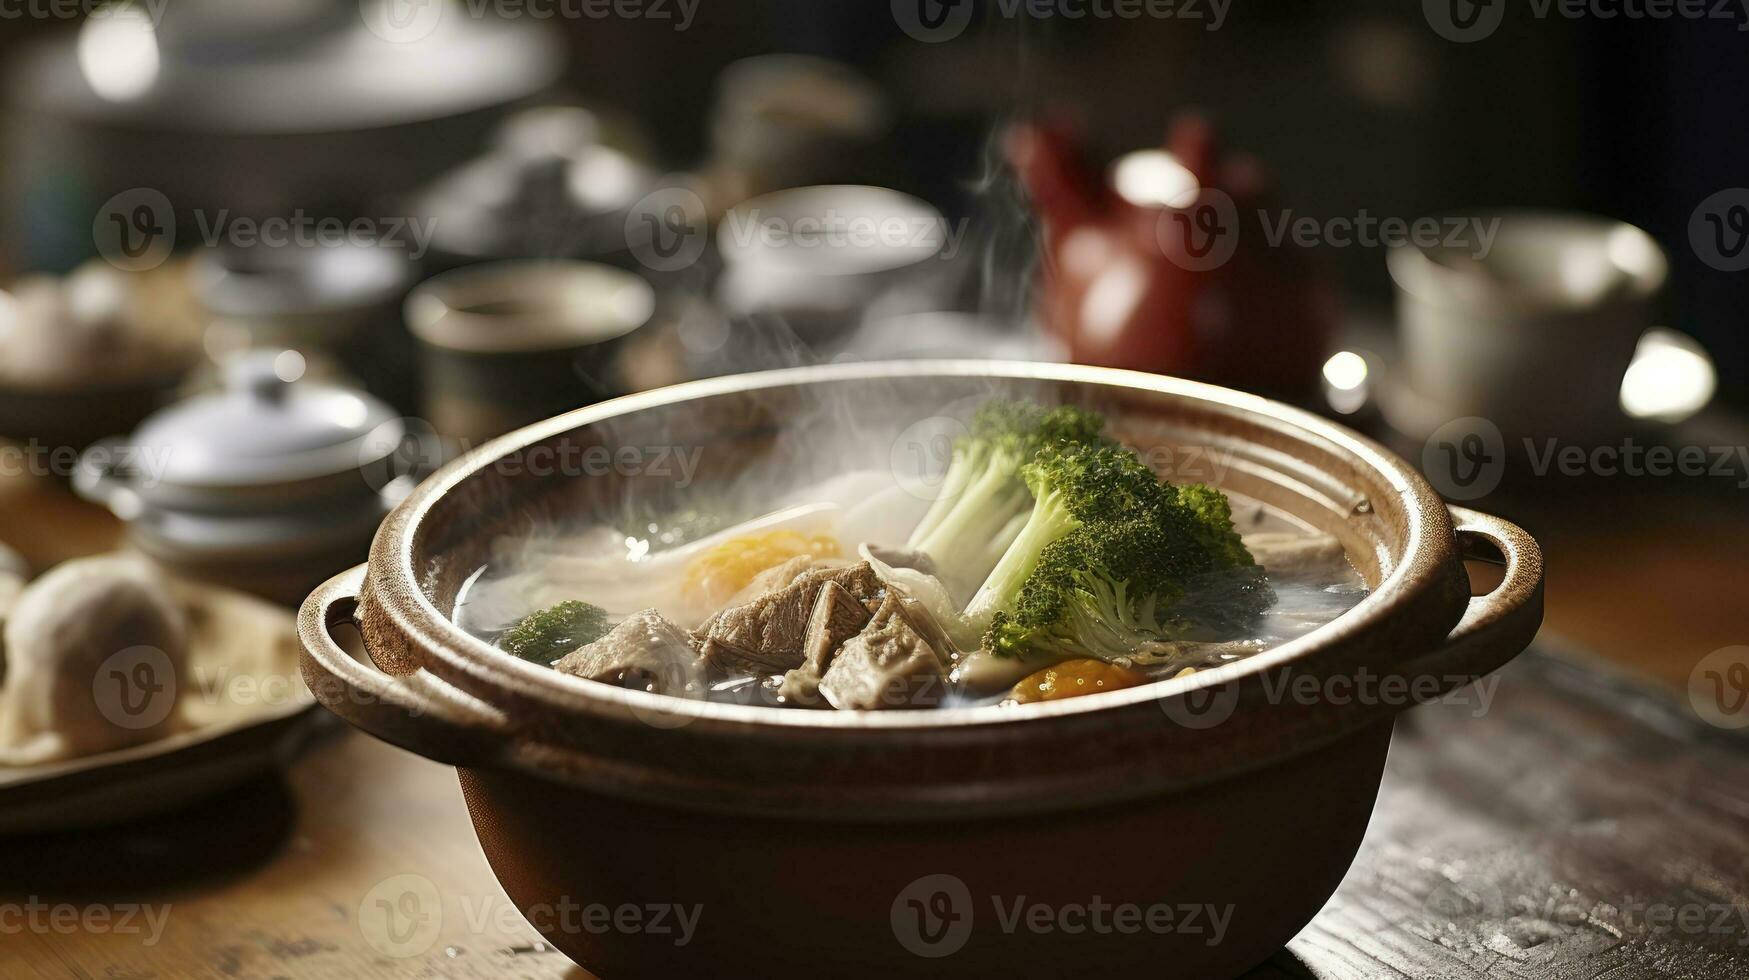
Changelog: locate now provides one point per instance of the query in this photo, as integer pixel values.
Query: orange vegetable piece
(715, 576)
(1073, 678)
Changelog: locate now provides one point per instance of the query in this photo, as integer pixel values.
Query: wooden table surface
(1574, 830)
(1580, 828)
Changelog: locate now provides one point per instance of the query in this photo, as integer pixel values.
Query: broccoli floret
(983, 493)
(545, 636)
(1113, 559)
(1071, 484)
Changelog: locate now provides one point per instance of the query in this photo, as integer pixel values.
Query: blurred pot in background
(790, 120)
(269, 485)
(340, 302)
(232, 110)
(91, 354)
(1163, 265)
(549, 187)
(509, 343)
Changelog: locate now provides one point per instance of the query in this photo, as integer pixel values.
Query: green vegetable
(984, 499)
(549, 634)
(1112, 558)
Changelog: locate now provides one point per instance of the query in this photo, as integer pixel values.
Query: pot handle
(1498, 626)
(417, 710)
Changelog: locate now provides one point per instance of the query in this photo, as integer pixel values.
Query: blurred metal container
(253, 109)
(790, 120)
(548, 188)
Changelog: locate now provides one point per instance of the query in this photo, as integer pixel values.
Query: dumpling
(94, 652)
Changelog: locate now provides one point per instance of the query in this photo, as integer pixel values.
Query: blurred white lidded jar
(269, 485)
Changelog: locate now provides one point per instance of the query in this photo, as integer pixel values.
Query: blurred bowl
(508, 343)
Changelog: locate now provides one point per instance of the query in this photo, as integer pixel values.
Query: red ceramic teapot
(1164, 264)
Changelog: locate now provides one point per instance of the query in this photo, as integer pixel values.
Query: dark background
(1357, 104)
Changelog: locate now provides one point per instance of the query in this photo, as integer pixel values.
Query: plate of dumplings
(125, 692)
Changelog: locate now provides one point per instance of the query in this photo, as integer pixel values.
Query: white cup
(1533, 333)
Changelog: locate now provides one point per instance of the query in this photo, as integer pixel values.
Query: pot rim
(398, 596)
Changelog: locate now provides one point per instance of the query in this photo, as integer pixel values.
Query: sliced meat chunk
(645, 652)
(887, 665)
(765, 636)
(837, 617)
(780, 575)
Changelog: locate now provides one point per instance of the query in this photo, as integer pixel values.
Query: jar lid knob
(265, 375)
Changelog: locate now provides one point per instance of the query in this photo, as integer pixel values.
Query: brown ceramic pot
(1059, 839)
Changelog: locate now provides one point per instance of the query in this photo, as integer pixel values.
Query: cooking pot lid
(266, 426)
